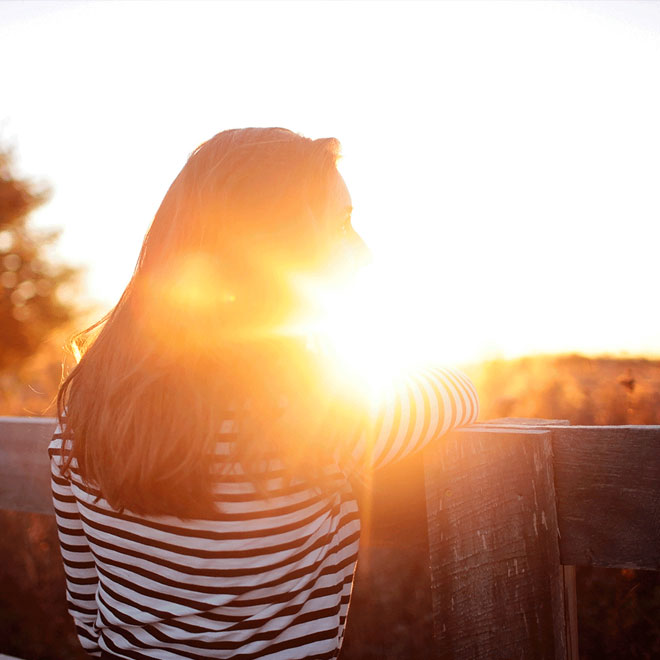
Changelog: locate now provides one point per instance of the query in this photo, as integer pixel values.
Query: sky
(503, 157)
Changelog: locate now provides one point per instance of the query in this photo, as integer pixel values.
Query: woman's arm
(79, 567)
(421, 408)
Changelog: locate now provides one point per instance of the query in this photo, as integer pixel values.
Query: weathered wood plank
(524, 421)
(570, 610)
(496, 578)
(607, 480)
(24, 466)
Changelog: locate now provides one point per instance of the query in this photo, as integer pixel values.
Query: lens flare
(366, 327)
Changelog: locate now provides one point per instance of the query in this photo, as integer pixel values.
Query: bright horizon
(503, 158)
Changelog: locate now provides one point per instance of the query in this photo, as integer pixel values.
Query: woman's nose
(355, 253)
(363, 254)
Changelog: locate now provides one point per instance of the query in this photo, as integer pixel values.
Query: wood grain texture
(524, 421)
(24, 464)
(496, 578)
(570, 610)
(607, 480)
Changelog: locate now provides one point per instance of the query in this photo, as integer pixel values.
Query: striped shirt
(268, 577)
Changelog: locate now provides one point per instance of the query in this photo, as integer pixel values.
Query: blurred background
(503, 160)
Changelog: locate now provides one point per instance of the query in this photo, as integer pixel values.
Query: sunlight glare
(368, 328)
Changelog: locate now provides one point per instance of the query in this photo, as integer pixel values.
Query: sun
(373, 327)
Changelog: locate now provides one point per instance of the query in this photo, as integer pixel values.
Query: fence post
(497, 584)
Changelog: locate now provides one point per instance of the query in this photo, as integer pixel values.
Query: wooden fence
(512, 506)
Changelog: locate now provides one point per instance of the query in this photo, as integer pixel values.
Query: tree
(31, 303)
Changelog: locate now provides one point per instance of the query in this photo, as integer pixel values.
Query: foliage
(599, 391)
(33, 304)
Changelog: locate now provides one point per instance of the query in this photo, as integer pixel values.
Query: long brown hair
(193, 338)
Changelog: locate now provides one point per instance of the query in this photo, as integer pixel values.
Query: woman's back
(268, 576)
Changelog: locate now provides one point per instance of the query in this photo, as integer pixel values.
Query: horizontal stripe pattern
(265, 578)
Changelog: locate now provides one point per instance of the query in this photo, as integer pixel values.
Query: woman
(201, 466)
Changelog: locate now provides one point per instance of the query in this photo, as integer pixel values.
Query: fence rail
(513, 505)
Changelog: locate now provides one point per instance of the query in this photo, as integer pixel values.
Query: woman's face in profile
(348, 252)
